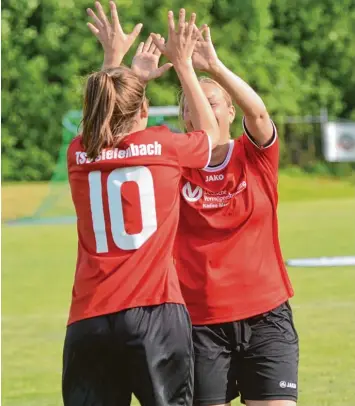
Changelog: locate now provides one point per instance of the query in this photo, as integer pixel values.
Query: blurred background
(299, 56)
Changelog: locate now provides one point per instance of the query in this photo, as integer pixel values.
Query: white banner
(322, 261)
(339, 141)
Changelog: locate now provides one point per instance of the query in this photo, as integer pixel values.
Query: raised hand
(181, 42)
(204, 57)
(146, 61)
(111, 36)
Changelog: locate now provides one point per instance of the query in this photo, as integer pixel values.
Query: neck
(136, 127)
(219, 154)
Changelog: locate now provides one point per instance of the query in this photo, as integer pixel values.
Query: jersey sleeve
(193, 149)
(266, 157)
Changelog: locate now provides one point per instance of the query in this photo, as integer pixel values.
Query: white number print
(144, 179)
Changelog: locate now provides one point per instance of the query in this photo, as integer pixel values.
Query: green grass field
(317, 217)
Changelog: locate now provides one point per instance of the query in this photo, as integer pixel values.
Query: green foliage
(298, 57)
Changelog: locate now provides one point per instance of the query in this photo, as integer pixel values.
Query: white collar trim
(225, 162)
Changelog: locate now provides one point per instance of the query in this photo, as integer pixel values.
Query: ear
(231, 113)
(144, 109)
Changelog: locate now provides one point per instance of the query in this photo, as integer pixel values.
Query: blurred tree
(323, 34)
(298, 57)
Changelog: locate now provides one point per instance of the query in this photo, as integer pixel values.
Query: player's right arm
(179, 49)
(114, 41)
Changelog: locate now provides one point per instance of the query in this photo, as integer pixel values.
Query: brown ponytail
(112, 100)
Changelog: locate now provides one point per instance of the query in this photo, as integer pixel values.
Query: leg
(161, 355)
(215, 365)
(90, 375)
(270, 361)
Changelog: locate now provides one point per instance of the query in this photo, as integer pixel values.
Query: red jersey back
(127, 206)
(227, 249)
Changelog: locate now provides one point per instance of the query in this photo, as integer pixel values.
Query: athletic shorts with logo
(256, 358)
(145, 351)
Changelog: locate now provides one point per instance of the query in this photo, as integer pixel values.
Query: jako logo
(284, 384)
(191, 195)
(213, 178)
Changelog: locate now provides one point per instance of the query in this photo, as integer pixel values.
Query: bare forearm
(202, 116)
(256, 116)
(111, 61)
(242, 94)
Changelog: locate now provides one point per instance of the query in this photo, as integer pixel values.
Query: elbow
(259, 114)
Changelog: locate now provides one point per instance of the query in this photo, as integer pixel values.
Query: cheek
(222, 116)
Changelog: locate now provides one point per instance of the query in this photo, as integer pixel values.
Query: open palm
(114, 41)
(145, 63)
(204, 56)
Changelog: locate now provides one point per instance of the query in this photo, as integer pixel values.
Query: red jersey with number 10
(127, 204)
(227, 252)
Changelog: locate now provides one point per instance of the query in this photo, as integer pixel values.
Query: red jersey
(227, 249)
(127, 204)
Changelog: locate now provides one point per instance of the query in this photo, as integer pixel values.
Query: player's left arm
(257, 119)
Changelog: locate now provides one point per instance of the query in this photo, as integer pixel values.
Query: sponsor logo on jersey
(284, 384)
(211, 200)
(133, 150)
(214, 178)
(190, 193)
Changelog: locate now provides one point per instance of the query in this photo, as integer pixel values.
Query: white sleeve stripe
(209, 151)
(250, 137)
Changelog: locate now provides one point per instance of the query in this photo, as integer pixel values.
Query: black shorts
(145, 351)
(256, 358)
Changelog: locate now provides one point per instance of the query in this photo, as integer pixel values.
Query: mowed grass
(23, 199)
(37, 274)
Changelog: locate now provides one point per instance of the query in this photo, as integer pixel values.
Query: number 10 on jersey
(142, 176)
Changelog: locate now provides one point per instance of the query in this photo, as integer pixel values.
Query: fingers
(101, 13)
(157, 51)
(114, 18)
(200, 36)
(147, 44)
(191, 25)
(182, 16)
(153, 47)
(97, 21)
(171, 23)
(207, 33)
(136, 30)
(163, 69)
(201, 32)
(158, 42)
(193, 39)
(93, 29)
(140, 48)
(195, 34)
